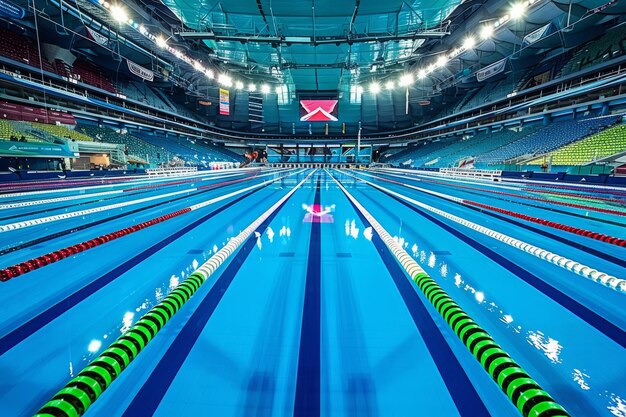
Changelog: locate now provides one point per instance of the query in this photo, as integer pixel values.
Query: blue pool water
(312, 315)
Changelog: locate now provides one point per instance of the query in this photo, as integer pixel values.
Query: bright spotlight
(518, 10)
(239, 85)
(486, 32)
(251, 87)
(374, 88)
(421, 74)
(119, 13)
(209, 73)
(442, 61)
(406, 80)
(161, 42)
(389, 85)
(225, 80)
(198, 66)
(359, 90)
(265, 89)
(469, 42)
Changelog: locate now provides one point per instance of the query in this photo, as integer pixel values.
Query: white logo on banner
(535, 35)
(491, 70)
(99, 38)
(140, 71)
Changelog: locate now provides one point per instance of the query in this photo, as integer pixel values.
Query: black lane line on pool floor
(102, 221)
(603, 325)
(151, 393)
(555, 210)
(307, 399)
(461, 389)
(25, 330)
(579, 246)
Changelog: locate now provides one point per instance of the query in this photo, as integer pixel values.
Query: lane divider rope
(571, 229)
(575, 195)
(615, 283)
(42, 220)
(526, 394)
(124, 182)
(103, 193)
(22, 268)
(49, 219)
(543, 200)
(80, 393)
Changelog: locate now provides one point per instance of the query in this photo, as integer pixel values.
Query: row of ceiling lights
(516, 12)
(119, 13)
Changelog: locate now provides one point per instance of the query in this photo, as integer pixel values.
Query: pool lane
(604, 300)
(312, 316)
(70, 337)
(159, 198)
(248, 357)
(565, 354)
(46, 291)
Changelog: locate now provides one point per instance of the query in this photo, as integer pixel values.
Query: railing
(471, 173)
(171, 172)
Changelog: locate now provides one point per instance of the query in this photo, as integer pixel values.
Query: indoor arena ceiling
(313, 45)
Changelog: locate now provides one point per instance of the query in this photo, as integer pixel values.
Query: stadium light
(374, 87)
(198, 66)
(265, 89)
(406, 80)
(239, 85)
(251, 87)
(209, 73)
(518, 10)
(119, 13)
(469, 42)
(442, 61)
(486, 32)
(389, 85)
(225, 80)
(359, 90)
(421, 74)
(161, 42)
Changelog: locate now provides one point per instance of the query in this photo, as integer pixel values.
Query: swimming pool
(309, 312)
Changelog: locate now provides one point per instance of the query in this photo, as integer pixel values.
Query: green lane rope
(82, 391)
(529, 398)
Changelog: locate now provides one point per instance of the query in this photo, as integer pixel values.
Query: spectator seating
(8, 129)
(606, 143)
(546, 139)
(136, 146)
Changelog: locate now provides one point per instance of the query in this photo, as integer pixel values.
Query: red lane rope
(592, 190)
(543, 200)
(587, 233)
(611, 200)
(52, 257)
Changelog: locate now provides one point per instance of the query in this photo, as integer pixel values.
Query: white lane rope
(209, 267)
(408, 263)
(581, 269)
(90, 195)
(48, 219)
